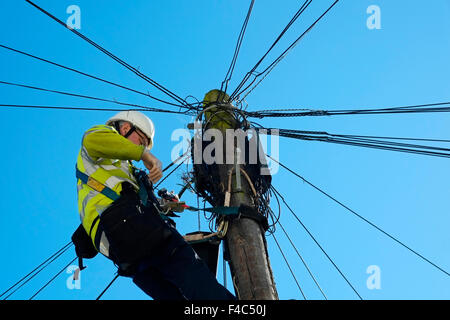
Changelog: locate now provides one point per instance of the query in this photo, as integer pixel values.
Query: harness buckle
(94, 184)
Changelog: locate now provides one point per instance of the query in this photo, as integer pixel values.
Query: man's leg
(180, 267)
(192, 276)
(152, 282)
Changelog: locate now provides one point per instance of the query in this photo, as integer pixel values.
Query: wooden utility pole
(245, 238)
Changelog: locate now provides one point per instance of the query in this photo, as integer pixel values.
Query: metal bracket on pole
(238, 169)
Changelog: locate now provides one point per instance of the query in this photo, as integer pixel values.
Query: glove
(173, 206)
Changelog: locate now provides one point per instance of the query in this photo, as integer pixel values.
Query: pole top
(215, 96)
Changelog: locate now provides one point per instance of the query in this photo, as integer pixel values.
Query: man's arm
(105, 142)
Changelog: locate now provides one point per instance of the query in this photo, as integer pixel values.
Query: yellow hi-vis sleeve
(105, 142)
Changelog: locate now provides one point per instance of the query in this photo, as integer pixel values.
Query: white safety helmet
(137, 119)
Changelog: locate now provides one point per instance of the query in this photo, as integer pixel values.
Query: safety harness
(84, 247)
(96, 185)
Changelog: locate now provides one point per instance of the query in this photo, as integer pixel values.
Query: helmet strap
(117, 126)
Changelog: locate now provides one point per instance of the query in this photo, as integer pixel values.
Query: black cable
(253, 70)
(362, 218)
(303, 261)
(87, 75)
(364, 141)
(26, 281)
(396, 108)
(369, 141)
(280, 57)
(179, 165)
(107, 287)
(196, 105)
(422, 108)
(269, 68)
(391, 138)
(288, 265)
(144, 108)
(123, 63)
(317, 243)
(176, 160)
(87, 108)
(57, 254)
(54, 277)
(374, 144)
(275, 218)
(386, 146)
(237, 49)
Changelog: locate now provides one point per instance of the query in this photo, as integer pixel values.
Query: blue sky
(187, 46)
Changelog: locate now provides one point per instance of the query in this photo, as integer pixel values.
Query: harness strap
(96, 185)
(226, 211)
(80, 266)
(236, 212)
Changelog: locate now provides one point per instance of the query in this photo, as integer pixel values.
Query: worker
(127, 229)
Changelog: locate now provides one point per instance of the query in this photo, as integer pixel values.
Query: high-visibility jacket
(105, 157)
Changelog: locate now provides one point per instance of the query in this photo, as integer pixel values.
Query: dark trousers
(179, 274)
(156, 256)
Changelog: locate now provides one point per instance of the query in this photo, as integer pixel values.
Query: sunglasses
(143, 137)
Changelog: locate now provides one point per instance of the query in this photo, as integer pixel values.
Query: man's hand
(174, 206)
(153, 165)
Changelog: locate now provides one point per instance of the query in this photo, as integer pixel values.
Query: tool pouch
(133, 230)
(84, 247)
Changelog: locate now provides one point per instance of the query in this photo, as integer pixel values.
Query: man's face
(137, 137)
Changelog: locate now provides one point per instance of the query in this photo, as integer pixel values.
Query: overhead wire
(265, 199)
(366, 141)
(171, 164)
(289, 266)
(53, 278)
(392, 138)
(184, 104)
(176, 160)
(268, 69)
(303, 261)
(296, 112)
(318, 244)
(286, 28)
(324, 133)
(120, 61)
(237, 49)
(87, 108)
(362, 218)
(30, 275)
(88, 75)
(143, 108)
(107, 287)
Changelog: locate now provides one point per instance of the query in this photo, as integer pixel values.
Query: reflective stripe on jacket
(104, 156)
